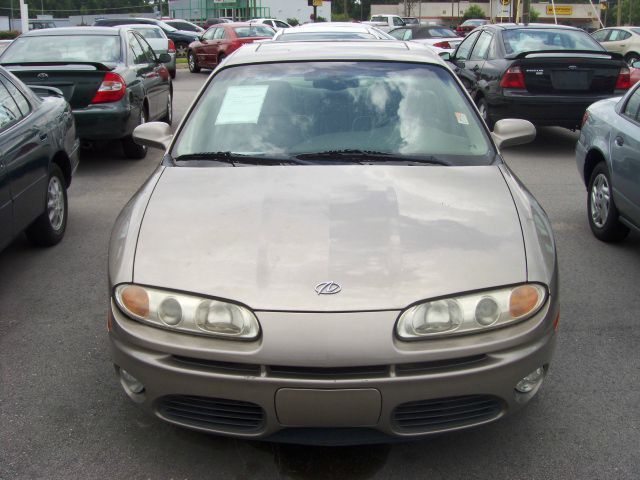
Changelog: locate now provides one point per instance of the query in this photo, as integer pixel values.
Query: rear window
(436, 33)
(68, 48)
(150, 32)
(254, 31)
(535, 40)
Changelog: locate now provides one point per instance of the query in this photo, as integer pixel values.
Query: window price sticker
(242, 104)
(462, 118)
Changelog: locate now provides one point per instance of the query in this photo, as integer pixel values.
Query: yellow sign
(317, 3)
(505, 2)
(560, 10)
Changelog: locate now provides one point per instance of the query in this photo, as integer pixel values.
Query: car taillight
(112, 89)
(624, 79)
(442, 45)
(513, 78)
(172, 47)
(585, 118)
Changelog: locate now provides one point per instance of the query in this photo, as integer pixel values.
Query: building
(583, 15)
(246, 9)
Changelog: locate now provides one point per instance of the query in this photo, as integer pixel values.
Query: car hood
(388, 235)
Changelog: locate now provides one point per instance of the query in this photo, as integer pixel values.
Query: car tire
(483, 108)
(172, 74)
(181, 49)
(193, 63)
(168, 117)
(131, 149)
(48, 229)
(221, 58)
(631, 58)
(602, 211)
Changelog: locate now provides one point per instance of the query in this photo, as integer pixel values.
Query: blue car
(38, 155)
(608, 157)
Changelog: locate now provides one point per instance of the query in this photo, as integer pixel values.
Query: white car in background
(331, 31)
(160, 43)
(277, 25)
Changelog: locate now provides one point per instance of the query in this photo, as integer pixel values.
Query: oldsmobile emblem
(42, 75)
(327, 288)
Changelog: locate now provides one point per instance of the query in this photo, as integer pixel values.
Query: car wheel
(632, 58)
(221, 58)
(48, 229)
(483, 108)
(603, 214)
(181, 49)
(168, 117)
(172, 74)
(193, 63)
(131, 149)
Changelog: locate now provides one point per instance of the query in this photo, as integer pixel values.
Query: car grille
(329, 373)
(443, 413)
(212, 413)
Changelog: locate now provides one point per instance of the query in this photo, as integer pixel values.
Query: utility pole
(345, 11)
(526, 6)
(619, 13)
(24, 16)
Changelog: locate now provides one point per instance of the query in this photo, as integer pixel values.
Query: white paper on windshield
(242, 104)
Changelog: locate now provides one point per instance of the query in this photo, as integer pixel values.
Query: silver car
(608, 157)
(326, 31)
(332, 251)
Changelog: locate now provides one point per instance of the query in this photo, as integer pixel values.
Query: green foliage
(534, 15)
(8, 35)
(474, 11)
(321, 19)
(293, 21)
(340, 17)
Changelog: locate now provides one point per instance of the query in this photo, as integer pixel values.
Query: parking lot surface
(63, 413)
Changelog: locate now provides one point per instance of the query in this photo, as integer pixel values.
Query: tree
(534, 15)
(474, 11)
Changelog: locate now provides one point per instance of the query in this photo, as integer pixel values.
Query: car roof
(64, 31)
(515, 26)
(331, 27)
(236, 24)
(367, 50)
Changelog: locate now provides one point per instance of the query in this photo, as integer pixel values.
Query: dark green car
(110, 76)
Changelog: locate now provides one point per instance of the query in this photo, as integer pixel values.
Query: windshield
(254, 31)
(68, 48)
(532, 40)
(289, 109)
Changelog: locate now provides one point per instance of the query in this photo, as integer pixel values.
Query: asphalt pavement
(63, 414)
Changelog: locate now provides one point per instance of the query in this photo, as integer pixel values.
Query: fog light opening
(131, 384)
(531, 382)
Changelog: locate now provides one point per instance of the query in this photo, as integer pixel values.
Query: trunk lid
(389, 235)
(78, 82)
(569, 72)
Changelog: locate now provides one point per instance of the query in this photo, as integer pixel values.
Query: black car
(110, 76)
(547, 74)
(38, 155)
(180, 38)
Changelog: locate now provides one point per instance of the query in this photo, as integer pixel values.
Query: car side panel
(6, 212)
(625, 167)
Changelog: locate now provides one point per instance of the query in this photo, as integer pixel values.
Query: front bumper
(401, 391)
(106, 121)
(542, 110)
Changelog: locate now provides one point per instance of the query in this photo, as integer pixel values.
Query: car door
(224, 40)
(7, 119)
(146, 75)
(461, 57)
(617, 41)
(625, 158)
(156, 82)
(24, 152)
(208, 46)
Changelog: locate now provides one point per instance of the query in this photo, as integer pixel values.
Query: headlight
(471, 313)
(187, 313)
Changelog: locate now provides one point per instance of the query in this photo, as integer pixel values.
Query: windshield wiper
(370, 156)
(241, 158)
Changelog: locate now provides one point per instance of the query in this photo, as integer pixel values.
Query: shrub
(474, 11)
(8, 35)
(293, 21)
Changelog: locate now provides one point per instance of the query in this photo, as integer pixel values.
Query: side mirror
(446, 56)
(154, 135)
(511, 132)
(636, 64)
(164, 58)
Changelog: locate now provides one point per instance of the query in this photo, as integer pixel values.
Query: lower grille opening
(228, 368)
(442, 413)
(328, 372)
(404, 369)
(213, 413)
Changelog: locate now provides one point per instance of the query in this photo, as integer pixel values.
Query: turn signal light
(172, 47)
(513, 78)
(442, 45)
(624, 79)
(524, 299)
(136, 300)
(585, 118)
(112, 89)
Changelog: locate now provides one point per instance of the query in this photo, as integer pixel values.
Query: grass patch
(181, 60)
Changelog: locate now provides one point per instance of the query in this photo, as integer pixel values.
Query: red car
(221, 40)
(465, 27)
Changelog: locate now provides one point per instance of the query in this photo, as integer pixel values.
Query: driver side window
(464, 49)
(220, 33)
(209, 34)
